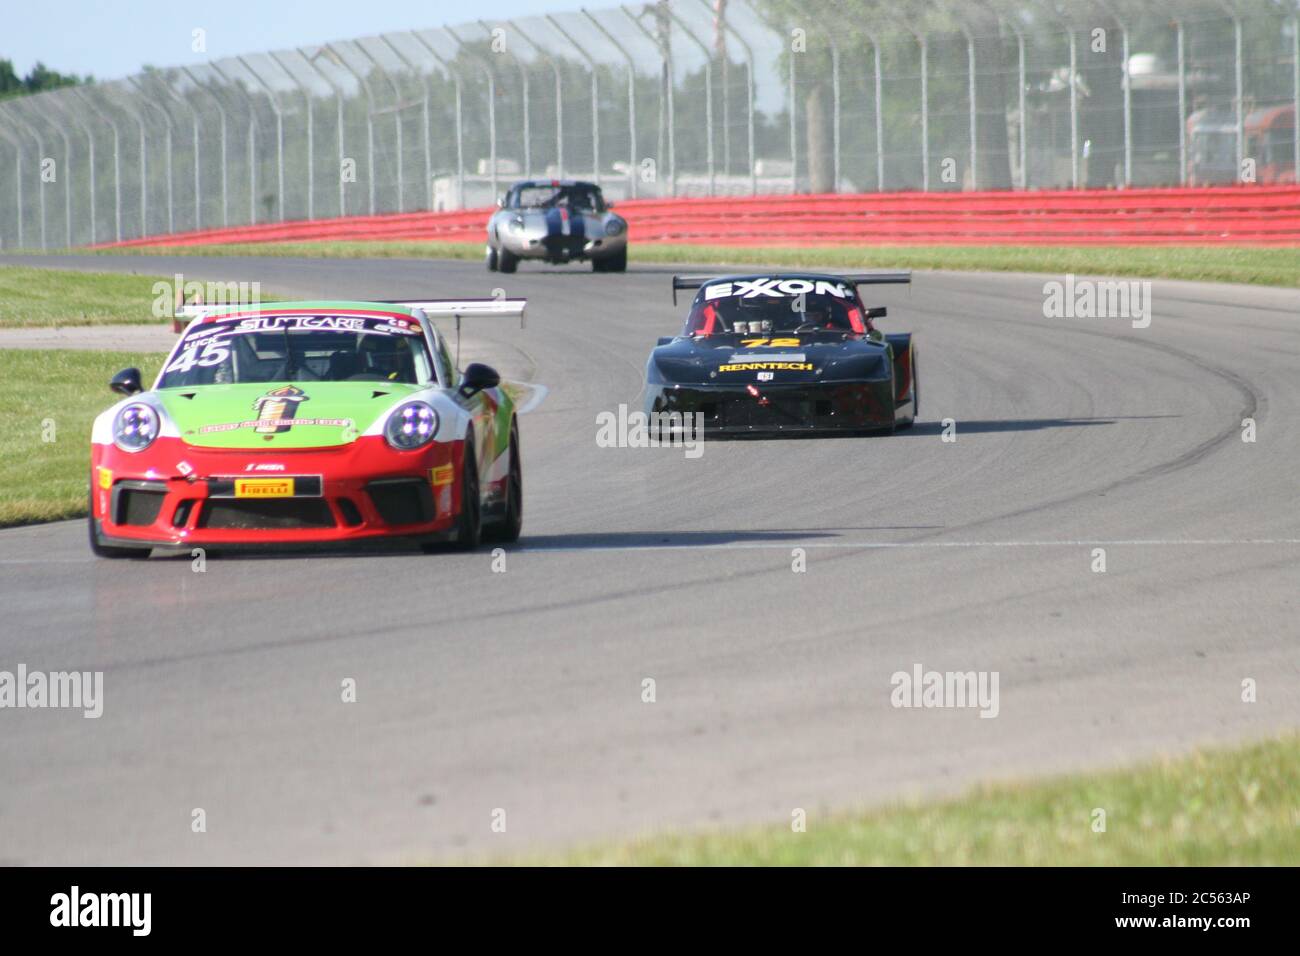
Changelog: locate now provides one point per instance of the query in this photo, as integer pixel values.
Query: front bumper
(561, 248)
(755, 409)
(174, 495)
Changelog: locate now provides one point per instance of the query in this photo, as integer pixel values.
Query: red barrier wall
(1267, 215)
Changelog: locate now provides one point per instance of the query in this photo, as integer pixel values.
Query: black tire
(469, 524)
(507, 261)
(493, 262)
(614, 263)
(109, 551)
(512, 523)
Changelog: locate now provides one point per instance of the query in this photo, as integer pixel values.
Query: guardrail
(1230, 215)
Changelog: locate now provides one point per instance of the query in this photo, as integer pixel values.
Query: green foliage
(38, 79)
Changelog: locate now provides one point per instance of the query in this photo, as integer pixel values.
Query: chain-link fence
(674, 98)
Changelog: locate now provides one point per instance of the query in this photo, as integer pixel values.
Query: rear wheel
(492, 260)
(507, 261)
(508, 529)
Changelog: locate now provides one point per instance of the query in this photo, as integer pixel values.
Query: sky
(114, 38)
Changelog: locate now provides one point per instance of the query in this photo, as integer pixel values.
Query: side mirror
(877, 312)
(126, 382)
(666, 340)
(501, 202)
(477, 377)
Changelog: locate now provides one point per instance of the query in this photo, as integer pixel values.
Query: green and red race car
(311, 423)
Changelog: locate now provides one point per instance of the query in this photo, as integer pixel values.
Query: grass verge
(33, 297)
(1213, 808)
(1256, 265)
(47, 403)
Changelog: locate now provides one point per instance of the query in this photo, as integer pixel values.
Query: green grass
(54, 297)
(1246, 264)
(1214, 808)
(53, 394)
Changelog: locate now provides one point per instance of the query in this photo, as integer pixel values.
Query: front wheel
(507, 261)
(614, 263)
(512, 522)
(469, 525)
(492, 260)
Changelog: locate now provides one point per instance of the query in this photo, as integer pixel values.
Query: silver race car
(556, 220)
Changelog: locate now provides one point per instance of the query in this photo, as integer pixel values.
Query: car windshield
(546, 197)
(300, 348)
(763, 305)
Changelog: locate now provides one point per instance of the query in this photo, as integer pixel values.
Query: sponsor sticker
(767, 367)
(105, 478)
(263, 487)
(775, 287)
(440, 476)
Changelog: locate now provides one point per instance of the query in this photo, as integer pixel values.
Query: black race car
(794, 352)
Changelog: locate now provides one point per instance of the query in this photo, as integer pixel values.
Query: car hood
(279, 415)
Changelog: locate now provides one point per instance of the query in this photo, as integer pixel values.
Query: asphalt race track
(522, 690)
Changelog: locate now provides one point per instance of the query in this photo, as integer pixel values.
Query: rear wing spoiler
(855, 279)
(433, 308)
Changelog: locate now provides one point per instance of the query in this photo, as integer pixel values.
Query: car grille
(402, 500)
(280, 513)
(137, 502)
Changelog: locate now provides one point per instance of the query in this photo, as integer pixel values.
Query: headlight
(135, 427)
(411, 426)
(615, 226)
(516, 224)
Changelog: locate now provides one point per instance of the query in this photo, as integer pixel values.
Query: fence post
(117, 161)
(559, 101)
(370, 120)
(90, 152)
(279, 133)
(339, 120)
(40, 158)
(18, 180)
(1022, 146)
(311, 136)
(67, 174)
(665, 94)
(221, 112)
(252, 140)
(1182, 107)
(749, 84)
(490, 73)
(194, 115)
(922, 42)
(397, 123)
(631, 101)
(524, 89)
(144, 98)
(460, 128)
(1127, 83)
(708, 99)
(1295, 93)
(1074, 111)
(424, 113)
(595, 95)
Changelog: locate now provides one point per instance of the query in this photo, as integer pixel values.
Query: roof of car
(554, 182)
